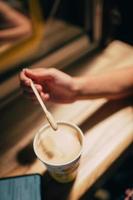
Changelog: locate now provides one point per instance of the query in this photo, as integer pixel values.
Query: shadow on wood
(54, 190)
(26, 156)
(104, 112)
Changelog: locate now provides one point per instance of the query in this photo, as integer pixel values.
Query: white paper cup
(62, 172)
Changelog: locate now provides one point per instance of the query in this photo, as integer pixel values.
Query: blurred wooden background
(107, 126)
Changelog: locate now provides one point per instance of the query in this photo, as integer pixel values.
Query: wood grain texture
(107, 126)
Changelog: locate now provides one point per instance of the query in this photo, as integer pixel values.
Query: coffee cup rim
(68, 162)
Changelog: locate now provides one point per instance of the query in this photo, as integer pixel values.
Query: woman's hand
(52, 84)
(20, 26)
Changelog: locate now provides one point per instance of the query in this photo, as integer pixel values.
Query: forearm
(111, 85)
(20, 25)
(11, 15)
(12, 34)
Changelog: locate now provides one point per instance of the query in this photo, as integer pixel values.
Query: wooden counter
(107, 126)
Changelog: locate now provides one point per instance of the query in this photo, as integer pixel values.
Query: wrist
(79, 84)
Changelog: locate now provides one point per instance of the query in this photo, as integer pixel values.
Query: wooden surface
(107, 126)
(56, 34)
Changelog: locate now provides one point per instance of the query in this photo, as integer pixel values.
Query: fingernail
(27, 69)
(24, 69)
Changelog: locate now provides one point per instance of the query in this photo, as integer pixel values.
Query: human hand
(18, 25)
(129, 194)
(52, 84)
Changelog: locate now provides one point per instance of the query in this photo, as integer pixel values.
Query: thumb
(31, 74)
(38, 75)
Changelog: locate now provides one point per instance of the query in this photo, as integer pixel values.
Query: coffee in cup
(60, 150)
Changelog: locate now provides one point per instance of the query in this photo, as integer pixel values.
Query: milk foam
(58, 147)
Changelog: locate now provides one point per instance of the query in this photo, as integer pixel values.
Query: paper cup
(62, 172)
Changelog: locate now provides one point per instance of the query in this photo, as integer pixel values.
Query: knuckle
(52, 70)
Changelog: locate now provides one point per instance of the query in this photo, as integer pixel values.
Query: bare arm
(59, 87)
(20, 24)
(112, 85)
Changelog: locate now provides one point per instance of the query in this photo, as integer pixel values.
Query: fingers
(28, 92)
(40, 74)
(29, 89)
(24, 79)
(45, 96)
(25, 83)
(26, 75)
(31, 96)
(32, 74)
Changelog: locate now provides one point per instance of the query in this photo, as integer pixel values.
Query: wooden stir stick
(49, 116)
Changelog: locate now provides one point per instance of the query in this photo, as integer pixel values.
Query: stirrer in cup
(49, 116)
